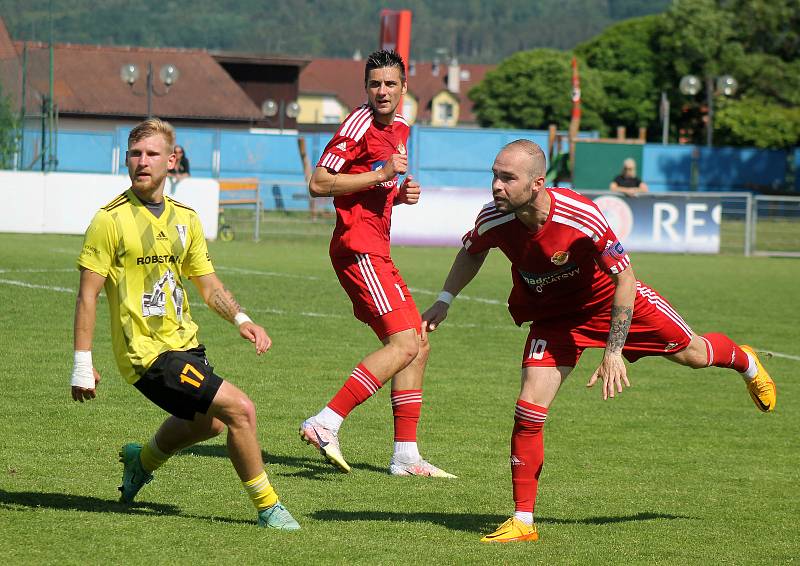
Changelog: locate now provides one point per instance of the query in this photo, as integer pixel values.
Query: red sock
(406, 407)
(359, 387)
(527, 453)
(724, 353)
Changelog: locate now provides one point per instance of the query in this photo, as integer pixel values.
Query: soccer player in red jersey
(574, 283)
(359, 169)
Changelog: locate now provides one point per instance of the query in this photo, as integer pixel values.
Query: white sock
(406, 452)
(524, 516)
(330, 419)
(752, 369)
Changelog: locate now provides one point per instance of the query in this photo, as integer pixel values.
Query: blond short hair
(152, 127)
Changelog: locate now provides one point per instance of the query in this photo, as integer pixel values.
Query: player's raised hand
(433, 317)
(397, 164)
(85, 393)
(409, 191)
(613, 373)
(257, 335)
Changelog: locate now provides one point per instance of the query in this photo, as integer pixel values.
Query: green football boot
(277, 517)
(134, 476)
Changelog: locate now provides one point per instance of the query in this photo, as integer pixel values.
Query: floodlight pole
(149, 89)
(710, 104)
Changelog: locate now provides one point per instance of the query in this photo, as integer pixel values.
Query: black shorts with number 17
(181, 383)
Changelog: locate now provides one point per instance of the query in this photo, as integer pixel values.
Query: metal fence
(775, 226)
(749, 225)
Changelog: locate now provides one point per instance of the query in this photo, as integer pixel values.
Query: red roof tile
(87, 81)
(344, 78)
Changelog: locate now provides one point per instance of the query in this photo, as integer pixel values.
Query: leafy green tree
(626, 61)
(8, 132)
(767, 26)
(708, 39)
(754, 121)
(532, 89)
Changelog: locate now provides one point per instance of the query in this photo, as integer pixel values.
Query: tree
(626, 61)
(532, 89)
(754, 121)
(8, 132)
(707, 39)
(767, 26)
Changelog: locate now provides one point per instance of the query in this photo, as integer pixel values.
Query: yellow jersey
(145, 260)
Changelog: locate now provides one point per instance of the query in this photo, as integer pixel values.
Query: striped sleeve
(345, 143)
(481, 238)
(583, 215)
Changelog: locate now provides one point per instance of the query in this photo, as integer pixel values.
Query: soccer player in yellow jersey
(140, 247)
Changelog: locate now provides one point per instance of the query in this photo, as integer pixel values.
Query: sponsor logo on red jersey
(560, 258)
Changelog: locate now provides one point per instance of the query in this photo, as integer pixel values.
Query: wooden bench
(231, 185)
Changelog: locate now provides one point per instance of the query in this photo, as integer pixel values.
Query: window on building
(444, 112)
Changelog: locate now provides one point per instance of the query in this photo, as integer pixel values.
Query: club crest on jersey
(401, 149)
(560, 258)
(181, 228)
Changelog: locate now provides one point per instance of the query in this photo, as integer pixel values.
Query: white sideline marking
(309, 313)
(38, 270)
(266, 273)
(778, 354)
(313, 278)
(330, 315)
(34, 286)
(465, 297)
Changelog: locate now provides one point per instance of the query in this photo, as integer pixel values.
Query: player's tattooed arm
(620, 325)
(224, 303)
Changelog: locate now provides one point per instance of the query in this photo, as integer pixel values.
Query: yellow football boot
(761, 388)
(513, 530)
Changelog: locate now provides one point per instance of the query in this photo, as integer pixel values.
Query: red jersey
(362, 144)
(563, 268)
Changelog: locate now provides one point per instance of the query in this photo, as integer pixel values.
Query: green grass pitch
(679, 469)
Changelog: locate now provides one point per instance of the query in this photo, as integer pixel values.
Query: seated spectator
(627, 182)
(181, 170)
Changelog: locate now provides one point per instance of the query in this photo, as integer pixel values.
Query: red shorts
(379, 295)
(656, 330)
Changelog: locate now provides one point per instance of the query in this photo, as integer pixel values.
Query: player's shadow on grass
(69, 502)
(474, 522)
(309, 468)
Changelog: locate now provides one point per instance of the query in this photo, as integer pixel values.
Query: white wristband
(446, 297)
(82, 374)
(240, 319)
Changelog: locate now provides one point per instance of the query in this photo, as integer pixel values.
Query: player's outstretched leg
(134, 476)
(715, 349)
(761, 388)
(235, 409)
(322, 430)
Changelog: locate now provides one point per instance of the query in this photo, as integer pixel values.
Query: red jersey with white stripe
(362, 144)
(561, 269)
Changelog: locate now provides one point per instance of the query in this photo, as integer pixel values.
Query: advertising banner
(664, 222)
(672, 223)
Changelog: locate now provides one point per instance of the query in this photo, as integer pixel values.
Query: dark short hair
(384, 58)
